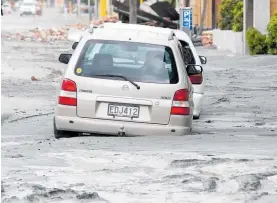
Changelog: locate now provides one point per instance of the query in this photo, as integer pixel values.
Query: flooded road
(230, 157)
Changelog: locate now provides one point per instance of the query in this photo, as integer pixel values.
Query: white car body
(91, 96)
(7, 9)
(28, 8)
(198, 94)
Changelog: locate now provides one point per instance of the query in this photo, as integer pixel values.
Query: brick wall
(273, 7)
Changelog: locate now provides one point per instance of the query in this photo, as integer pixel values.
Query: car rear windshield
(138, 62)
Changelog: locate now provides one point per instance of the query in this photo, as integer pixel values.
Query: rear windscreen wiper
(119, 76)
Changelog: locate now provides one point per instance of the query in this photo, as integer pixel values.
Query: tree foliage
(231, 15)
(271, 39)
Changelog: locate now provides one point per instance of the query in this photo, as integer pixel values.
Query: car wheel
(61, 133)
(196, 117)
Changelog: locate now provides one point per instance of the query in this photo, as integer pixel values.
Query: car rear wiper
(119, 76)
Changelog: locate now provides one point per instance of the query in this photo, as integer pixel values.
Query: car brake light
(69, 101)
(180, 111)
(181, 95)
(196, 79)
(68, 86)
(180, 103)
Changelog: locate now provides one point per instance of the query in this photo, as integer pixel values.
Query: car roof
(181, 35)
(127, 26)
(134, 35)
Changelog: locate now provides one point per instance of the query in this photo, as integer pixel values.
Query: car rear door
(191, 57)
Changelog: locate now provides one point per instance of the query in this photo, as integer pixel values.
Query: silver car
(127, 83)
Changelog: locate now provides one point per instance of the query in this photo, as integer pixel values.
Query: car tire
(196, 117)
(61, 133)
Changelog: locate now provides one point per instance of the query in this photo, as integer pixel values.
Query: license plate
(120, 110)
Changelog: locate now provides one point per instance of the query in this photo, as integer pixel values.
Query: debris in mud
(249, 182)
(4, 117)
(178, 176)
(2, 188)
(52, 34)
(110, 19)
(11, 199)
(209, 121)
(33, 78)
(38, 188)
(266, 174)
(210, 155)
(54, 74)
(186, 163)
(76, 185)
(196, 162)
(32, 198)
(14, 156)
(191, 178)
(260, 195)
(221, 100)
(210, 185)
(41, 193)
(85, 195)
(58, 191)
(261, 123)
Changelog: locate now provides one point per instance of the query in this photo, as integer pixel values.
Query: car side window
(181, 51)
(188, 55)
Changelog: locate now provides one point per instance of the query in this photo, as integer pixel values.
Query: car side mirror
(194, 69)
(64, 58)
(74, 45)
(203, 59)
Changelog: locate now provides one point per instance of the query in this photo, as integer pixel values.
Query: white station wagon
(127, 83)
(190, 55)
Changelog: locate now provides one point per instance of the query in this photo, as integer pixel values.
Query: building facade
(211, 18)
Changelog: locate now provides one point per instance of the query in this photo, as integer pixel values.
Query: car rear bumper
(109, 127)
(28, 13)
(198, 100)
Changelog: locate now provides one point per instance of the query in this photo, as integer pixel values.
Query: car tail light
(196, 79)
(68, 86)
(69, 101)
(180, 103)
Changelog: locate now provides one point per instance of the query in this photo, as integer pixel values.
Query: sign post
(186, 20)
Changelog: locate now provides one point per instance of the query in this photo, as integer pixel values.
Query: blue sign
(187, 18)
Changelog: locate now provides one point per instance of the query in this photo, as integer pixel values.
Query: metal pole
(110, 8)
(96, 3)
(78, 7)
(89, 12)
(203, 15)
(133, 9)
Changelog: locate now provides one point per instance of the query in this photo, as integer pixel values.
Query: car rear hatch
(140, 85)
